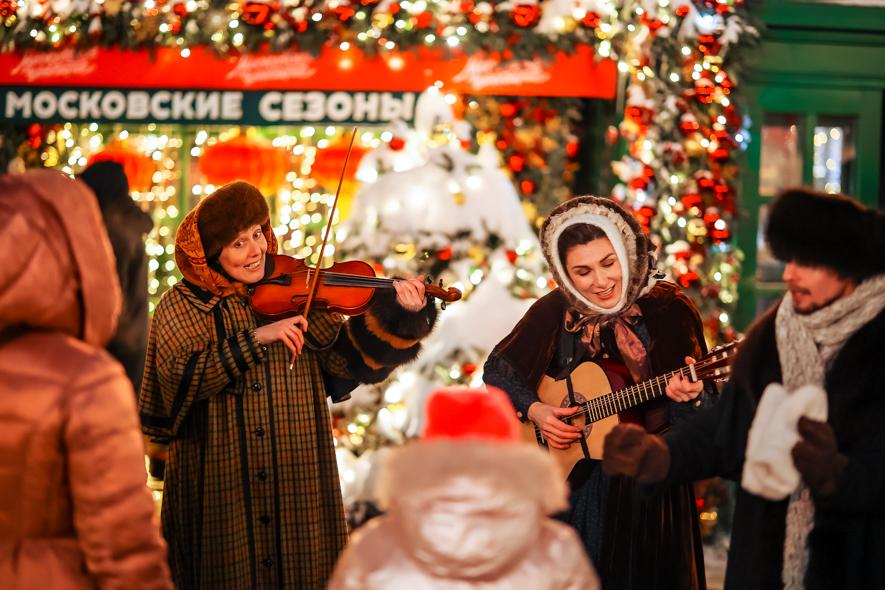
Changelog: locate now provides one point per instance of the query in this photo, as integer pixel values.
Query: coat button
(264, 519)
(262, 475)
(256, 386)
(267, 562)
(259, 431)
(263, 348)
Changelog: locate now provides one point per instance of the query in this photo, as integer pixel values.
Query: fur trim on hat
(833, 231)
(633, 248)
(191, 257)
(235, 207)
(521, 469)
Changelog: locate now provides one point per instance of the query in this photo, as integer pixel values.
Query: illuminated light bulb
(396, 63)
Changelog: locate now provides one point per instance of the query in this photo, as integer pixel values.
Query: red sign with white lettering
(578, 75)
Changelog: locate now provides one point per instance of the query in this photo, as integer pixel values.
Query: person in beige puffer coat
(74, 508)
(467, 506)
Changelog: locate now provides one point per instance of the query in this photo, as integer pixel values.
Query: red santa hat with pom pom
(460, 413)
(471, 433)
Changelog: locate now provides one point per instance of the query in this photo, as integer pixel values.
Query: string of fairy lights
(680, 61)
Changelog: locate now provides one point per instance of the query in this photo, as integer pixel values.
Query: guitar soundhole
(579, 399)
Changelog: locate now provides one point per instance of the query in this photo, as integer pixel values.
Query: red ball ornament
(180, 10)
(424, 20)
(708, 44)
(396, 143)
(688, 124)
(526, 15)
(653, 24)
(257, 13)
(445, 253)
(8, 8)
(344, 13)
(682, 11)
(527, 187)
(511, 256)
(688, 279)
(516, 162)
(468, 369)
(507, 109)
(590, 20)
(703, 90)
(690, 200)
(571, 149)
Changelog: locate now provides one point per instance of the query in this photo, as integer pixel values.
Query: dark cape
(847, 543)
(636, 541)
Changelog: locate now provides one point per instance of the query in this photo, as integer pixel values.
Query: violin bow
(316, 275)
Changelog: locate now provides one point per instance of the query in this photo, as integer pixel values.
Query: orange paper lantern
(242, 158)
(139, 168)
(326, 170)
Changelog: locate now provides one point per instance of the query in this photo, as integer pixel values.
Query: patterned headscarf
(190, 257)
(635, 253)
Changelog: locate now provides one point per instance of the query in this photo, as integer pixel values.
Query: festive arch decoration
(680, 61)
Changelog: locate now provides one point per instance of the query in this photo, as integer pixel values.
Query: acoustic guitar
(602, 408)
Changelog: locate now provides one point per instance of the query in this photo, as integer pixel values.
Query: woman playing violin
(252, 497)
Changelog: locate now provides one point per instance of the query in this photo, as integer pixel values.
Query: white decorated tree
(428, 205)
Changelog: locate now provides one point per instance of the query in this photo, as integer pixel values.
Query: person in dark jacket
(127, 225)
(827, 331)
(612, 309)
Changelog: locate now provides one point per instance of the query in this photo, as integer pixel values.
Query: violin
(344, 287)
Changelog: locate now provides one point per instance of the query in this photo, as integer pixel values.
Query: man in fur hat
(828, 331)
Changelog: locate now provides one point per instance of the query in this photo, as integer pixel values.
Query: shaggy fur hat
(834, 231)
(225, 213)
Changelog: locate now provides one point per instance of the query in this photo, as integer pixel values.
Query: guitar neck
(628, 397)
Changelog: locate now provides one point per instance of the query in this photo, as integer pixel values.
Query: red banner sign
(578, 75)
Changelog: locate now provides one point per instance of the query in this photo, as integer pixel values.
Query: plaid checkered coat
(252, 497)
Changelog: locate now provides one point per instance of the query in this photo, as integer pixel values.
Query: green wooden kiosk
(815, 98)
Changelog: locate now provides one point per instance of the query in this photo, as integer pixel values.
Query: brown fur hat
(225, 213)
(834, 231)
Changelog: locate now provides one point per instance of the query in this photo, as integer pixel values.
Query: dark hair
(575, 235)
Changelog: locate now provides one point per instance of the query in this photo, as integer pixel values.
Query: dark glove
(630, 450)
(817, 457)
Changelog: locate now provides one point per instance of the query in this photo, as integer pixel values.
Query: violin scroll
(445, 295)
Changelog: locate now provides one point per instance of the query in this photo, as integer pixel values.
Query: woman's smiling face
(243, 259)
(595, 271)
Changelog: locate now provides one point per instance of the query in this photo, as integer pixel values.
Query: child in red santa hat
(467, 505)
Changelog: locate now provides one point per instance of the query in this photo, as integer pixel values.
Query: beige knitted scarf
(807, 345)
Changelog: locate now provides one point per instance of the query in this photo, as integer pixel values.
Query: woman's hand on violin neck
(410, 293)
(289, 331)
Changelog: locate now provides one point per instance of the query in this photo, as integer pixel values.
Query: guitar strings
(608, 404)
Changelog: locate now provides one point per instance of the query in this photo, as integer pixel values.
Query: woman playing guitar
(611, 309)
